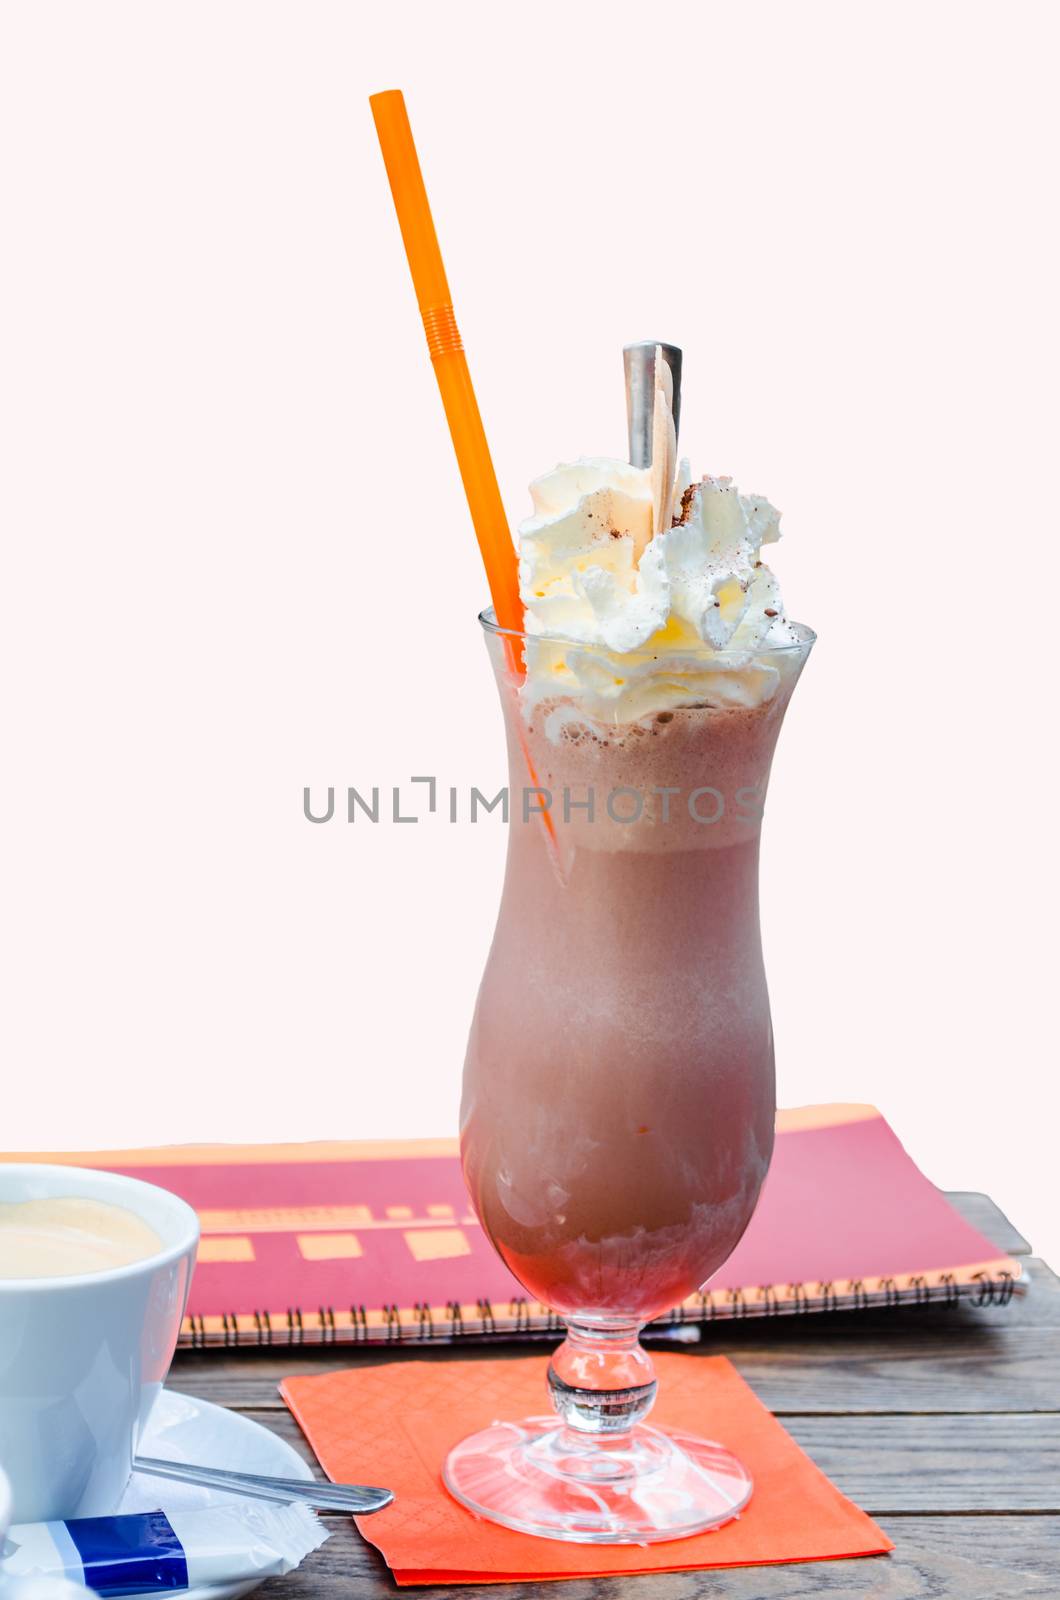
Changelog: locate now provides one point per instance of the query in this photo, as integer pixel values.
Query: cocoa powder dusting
(686, 507)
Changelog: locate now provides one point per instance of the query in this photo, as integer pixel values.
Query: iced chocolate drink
(618, 1108)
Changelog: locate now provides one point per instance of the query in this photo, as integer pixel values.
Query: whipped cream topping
(643, 596)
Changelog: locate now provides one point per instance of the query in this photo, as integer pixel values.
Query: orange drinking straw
(454, 380)
(447, 355)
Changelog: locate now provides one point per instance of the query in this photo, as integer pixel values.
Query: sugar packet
(148, 1551)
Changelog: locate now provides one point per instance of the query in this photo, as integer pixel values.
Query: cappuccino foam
(68, 1235)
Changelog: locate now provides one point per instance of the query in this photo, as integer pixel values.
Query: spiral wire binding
(525, 1319)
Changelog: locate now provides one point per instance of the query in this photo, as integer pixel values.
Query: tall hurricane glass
(618, 1104)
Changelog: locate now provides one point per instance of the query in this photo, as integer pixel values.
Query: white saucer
(183, 1429)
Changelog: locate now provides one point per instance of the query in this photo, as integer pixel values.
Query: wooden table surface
(943, 1424)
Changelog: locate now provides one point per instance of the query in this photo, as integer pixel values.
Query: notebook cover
(376, 1240)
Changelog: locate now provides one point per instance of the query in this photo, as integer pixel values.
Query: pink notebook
(364, 1242)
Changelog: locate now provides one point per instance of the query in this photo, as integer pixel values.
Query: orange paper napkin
(394, 1424)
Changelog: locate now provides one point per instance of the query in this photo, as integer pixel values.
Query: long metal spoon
(356, 1497)
(639, 362)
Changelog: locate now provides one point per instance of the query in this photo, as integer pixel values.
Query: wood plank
(927, 1374)
(974, 1558)
(938, 1464)
(927, 1465)
(997, 1358)
(984, 1214)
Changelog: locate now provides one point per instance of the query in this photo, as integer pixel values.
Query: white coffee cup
(83, 1359)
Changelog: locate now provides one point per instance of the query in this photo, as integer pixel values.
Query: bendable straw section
(443, 335)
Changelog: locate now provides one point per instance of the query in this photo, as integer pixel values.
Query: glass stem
(601, 1381)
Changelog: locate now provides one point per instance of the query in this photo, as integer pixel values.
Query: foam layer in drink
(692, 778)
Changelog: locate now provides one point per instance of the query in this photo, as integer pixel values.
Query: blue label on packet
(129, 1555)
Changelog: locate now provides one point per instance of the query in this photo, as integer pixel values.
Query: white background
(237, 561)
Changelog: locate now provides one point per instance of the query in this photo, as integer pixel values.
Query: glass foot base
(544, 1478)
